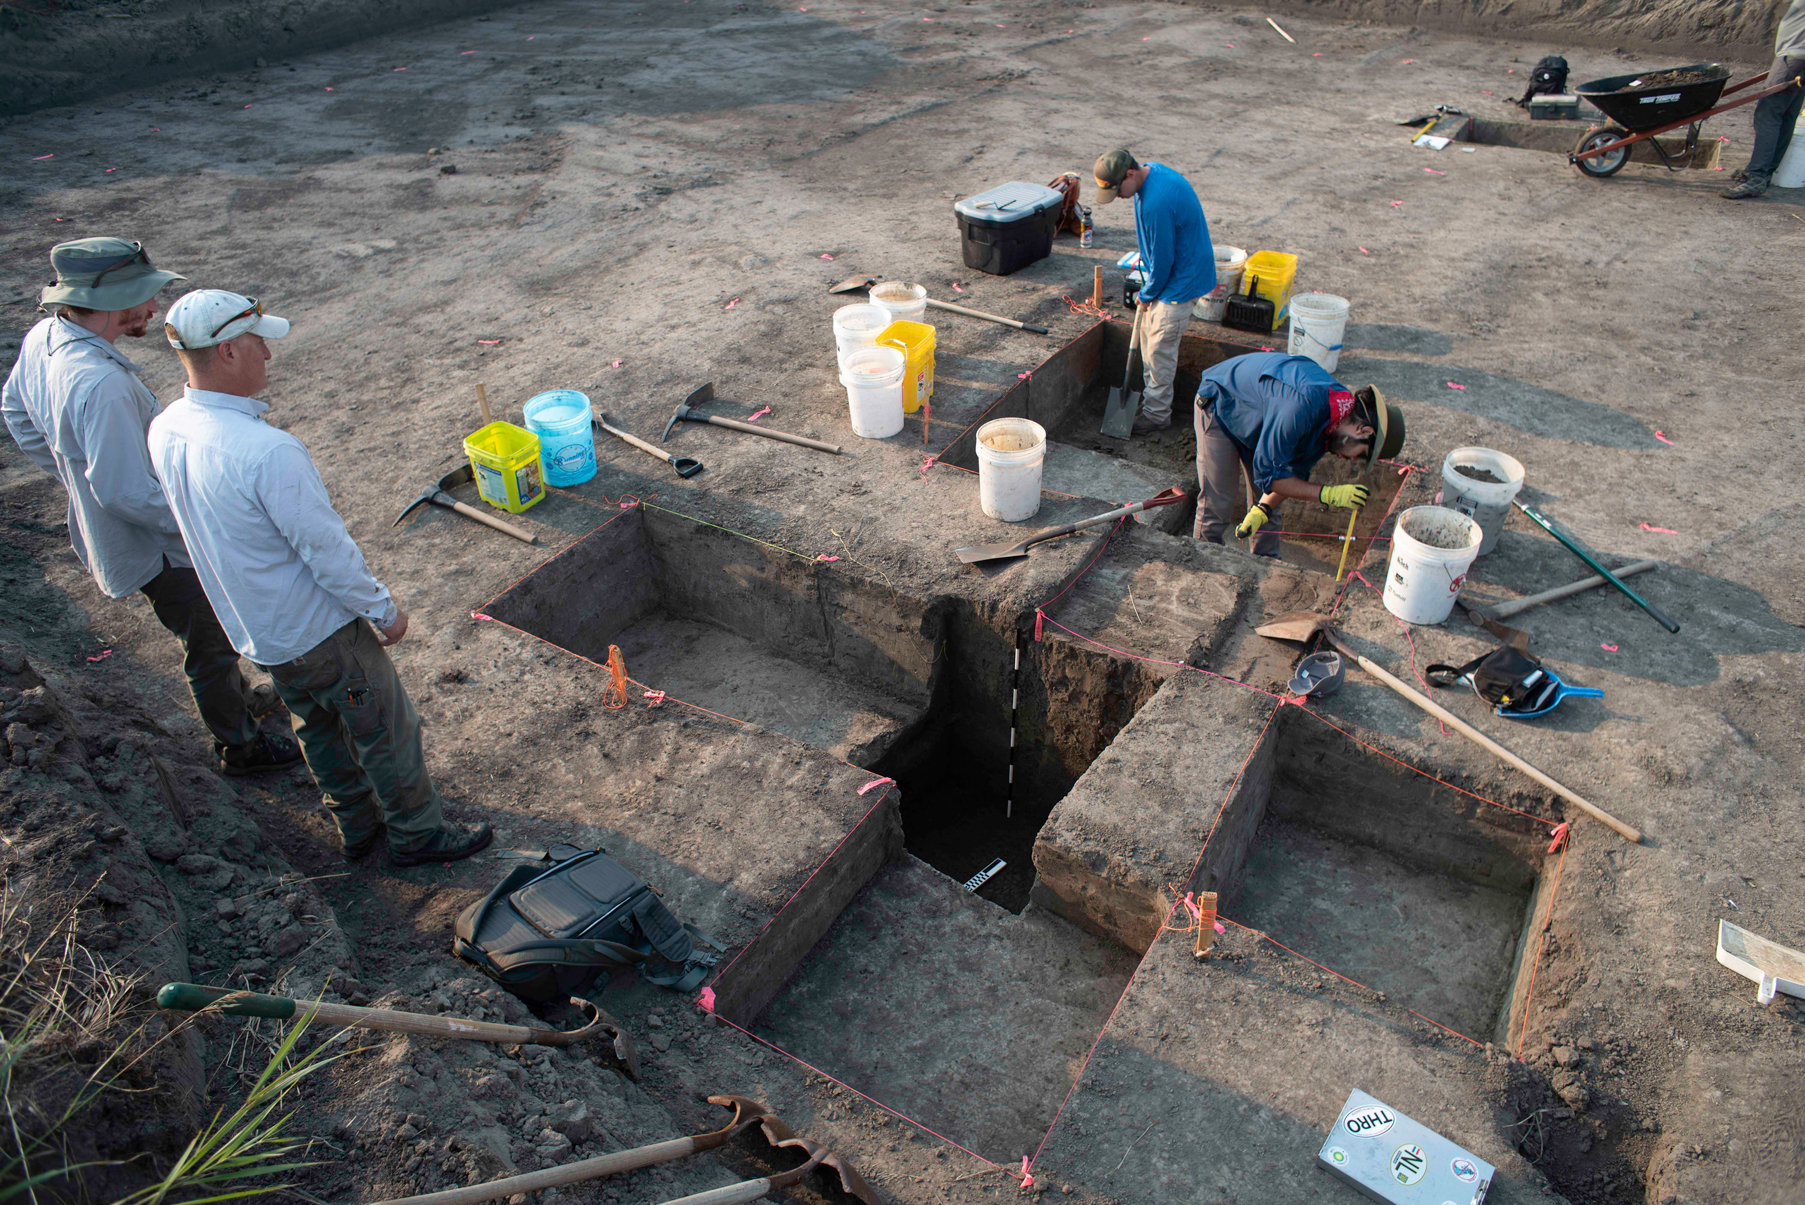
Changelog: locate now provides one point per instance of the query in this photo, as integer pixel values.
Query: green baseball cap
(103, 274)
(1109, 171)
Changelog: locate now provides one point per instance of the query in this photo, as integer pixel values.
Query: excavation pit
(1066, 395)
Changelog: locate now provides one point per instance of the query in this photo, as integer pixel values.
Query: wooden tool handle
(1506, 610)
(785, 436)
(642, 445)
(470, 512)
(553, 1177)
(1165, 497)
(190, 997)
(1487, 743)
(959, 309)
(482, 400)
(730, 1194)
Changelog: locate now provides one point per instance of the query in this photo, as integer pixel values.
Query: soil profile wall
(58, 55)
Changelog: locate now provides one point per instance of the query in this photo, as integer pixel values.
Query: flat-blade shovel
(981, 553)
(686, 466)
(1120, 407)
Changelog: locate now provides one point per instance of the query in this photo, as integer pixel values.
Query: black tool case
(1008, 227)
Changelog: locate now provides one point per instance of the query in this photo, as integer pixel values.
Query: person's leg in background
(1163, 327)
(1775, 119)
(221, 694)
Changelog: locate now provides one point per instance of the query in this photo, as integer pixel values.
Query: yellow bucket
(917, 342)
(1277, 272)
(505, 459)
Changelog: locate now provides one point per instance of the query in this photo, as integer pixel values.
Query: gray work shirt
(273, 556)
(1789, 42)
(76, 407)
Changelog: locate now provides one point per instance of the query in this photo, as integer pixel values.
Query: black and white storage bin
(1008, 227)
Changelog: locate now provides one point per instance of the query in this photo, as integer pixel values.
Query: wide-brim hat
(103, 274)
(1390, 439)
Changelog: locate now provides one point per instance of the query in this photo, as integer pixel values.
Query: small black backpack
(1547, 78)
(552, 930)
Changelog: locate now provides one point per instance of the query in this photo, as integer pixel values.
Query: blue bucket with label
(566, 440)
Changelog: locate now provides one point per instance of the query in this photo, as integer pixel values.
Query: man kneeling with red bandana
(1268, 418)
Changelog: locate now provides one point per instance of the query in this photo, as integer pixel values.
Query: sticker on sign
(1408, 1163)
(1369, 1122)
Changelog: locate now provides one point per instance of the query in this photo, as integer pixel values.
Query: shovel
(1121, 406)
(980, 553)
(854, 284)
(686, 466)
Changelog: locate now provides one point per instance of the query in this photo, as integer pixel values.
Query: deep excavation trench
(968, 1011)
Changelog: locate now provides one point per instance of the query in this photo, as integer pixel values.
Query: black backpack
(551, 930)
(1547, 78)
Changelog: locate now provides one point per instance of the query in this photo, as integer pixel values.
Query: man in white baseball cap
(291, 587)
(76, 407)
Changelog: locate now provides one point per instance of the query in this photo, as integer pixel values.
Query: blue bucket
(566, 440)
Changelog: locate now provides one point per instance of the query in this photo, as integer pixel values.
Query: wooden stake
(482, 399)
(1206, 923)
(1097, 286)
(1487, 743)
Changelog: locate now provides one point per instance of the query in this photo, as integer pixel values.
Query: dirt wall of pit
(1689, 29)
(60, 54)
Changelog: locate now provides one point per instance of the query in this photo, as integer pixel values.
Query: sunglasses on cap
(256, 308)
(135, 256)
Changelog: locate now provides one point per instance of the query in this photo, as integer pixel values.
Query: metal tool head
(746, 1114)
(698, 397)
(853, 284)
(851, 1183)
(462, 475)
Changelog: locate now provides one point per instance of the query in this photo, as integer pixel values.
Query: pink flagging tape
(1433, 172)
(478, 615)
(1027, 1177)
(825, 559)
(654, 698)
(706, 999)
(824, 255)
(758, 414)
(1456, 385)
(928, 463)
(104, 654)
(1663, 438)
(874, 784)
(1559, 835)
(731, 304)
(1609, 648)
(1362, 250)
(1665, 531)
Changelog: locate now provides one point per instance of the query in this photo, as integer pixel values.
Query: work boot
(1147, 426)
(263, 700)
(1754, 186)
(355, 850)
(264, 753)
(1740, 174)
(451, 842)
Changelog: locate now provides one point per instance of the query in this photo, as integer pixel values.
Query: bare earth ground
(643, 200)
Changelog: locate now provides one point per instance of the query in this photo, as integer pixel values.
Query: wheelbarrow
(1651, 103)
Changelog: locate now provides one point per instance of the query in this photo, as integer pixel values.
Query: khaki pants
(361, 735)
(1225, 488)
(1163, 325)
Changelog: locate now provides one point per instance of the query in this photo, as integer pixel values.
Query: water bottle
(1086, 228)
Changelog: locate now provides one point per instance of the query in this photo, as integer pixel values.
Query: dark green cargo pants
(361, 735)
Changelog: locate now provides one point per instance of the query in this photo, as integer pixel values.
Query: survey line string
(1404, 471)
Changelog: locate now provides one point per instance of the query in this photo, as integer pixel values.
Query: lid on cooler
(1009, 202)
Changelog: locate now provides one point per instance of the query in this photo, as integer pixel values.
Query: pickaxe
(438, 496)
(704, 395)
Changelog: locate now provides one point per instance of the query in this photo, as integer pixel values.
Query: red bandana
(1341, 404)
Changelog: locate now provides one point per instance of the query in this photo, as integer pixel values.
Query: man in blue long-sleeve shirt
(1179, 263)
(1268, 418)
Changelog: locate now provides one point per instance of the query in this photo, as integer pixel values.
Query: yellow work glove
(1352, 497)
(1256, 518)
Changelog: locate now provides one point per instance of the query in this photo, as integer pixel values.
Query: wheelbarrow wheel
(1607, 164)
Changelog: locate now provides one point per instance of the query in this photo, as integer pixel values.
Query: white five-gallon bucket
(1431, 550)
(1229, 263)
(1486, 502)
(857, 326)
(1318, 321)
(902, 299)
(1791, 173)
(1010, 453)
(873, 377)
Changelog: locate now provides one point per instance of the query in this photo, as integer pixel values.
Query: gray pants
(1162, 330)
(1225, 488)
(1775, 118)
(361, 735)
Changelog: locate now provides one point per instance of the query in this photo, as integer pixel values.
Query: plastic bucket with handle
(873, 377)
(1432, 548)
(1318, 321)
(1010, 454)
(566, 440)
(1487, 502)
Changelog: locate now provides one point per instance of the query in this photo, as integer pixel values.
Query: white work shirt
(76, 407)
(273, 556)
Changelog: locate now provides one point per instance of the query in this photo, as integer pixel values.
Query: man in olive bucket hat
(1268, 418)
(76, 407)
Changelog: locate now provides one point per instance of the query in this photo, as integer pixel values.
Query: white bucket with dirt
(1485, 501)
(858, 326)
(1318, 321)
(1010, 454)
(1229, 263)
(873, 377)
(1432, 548)
(1791, 173)
(904, 300)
